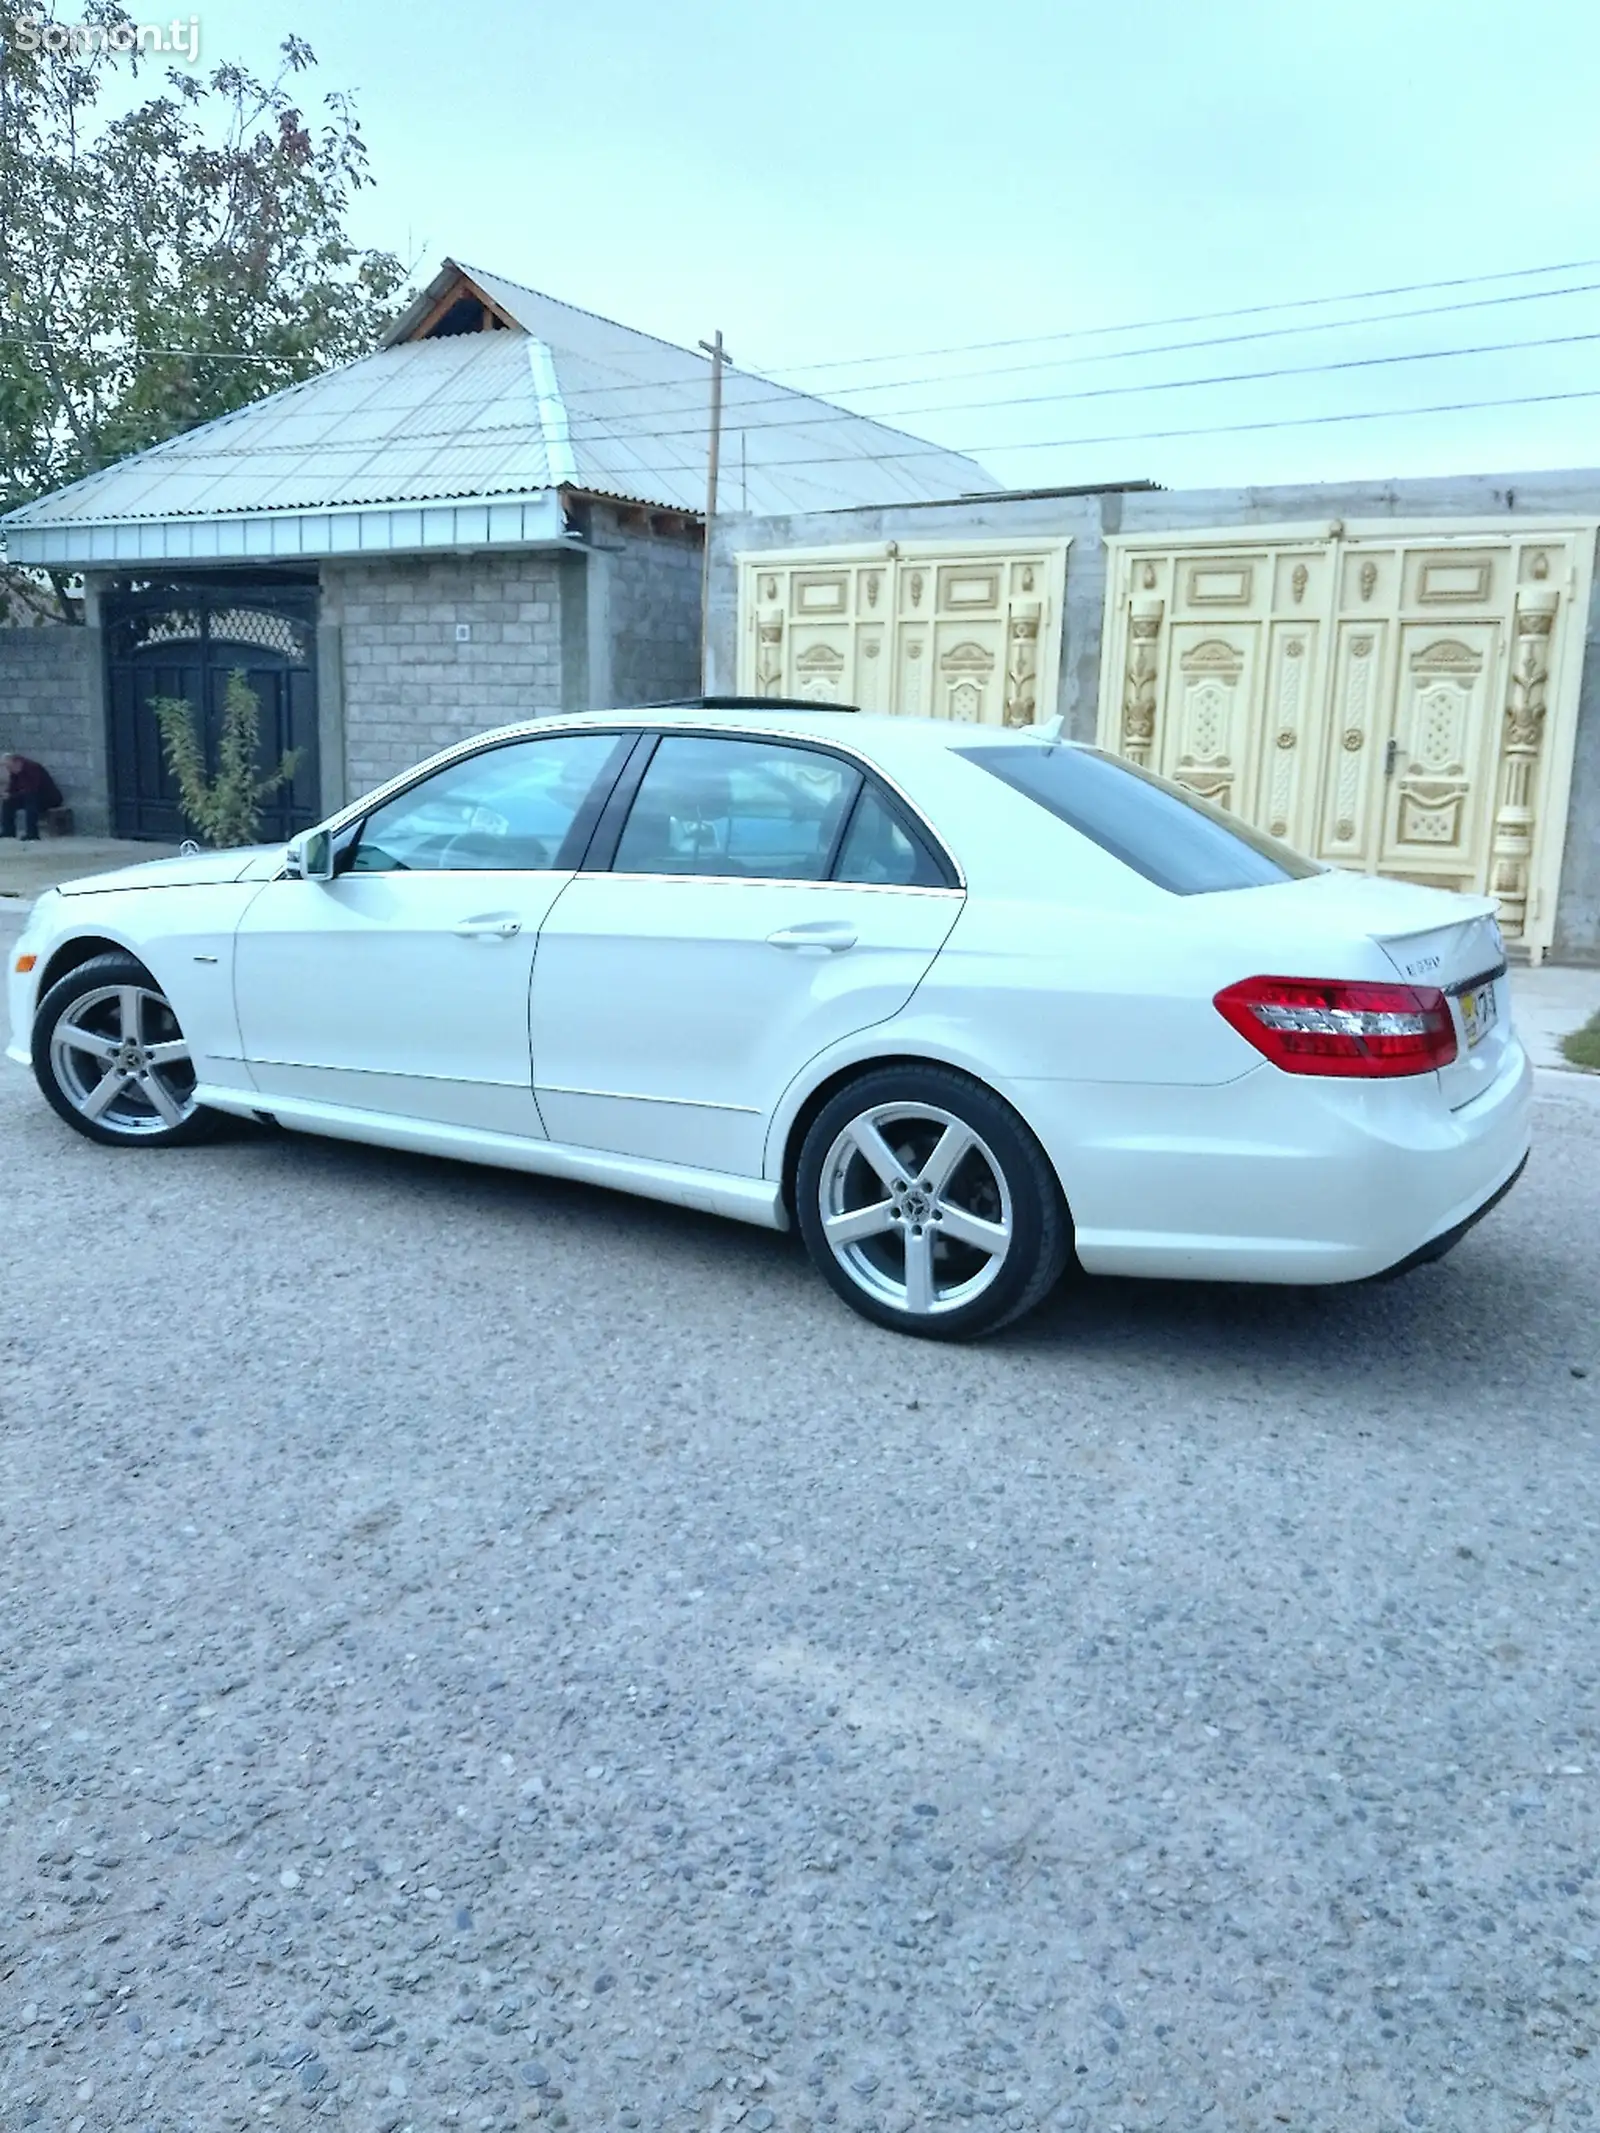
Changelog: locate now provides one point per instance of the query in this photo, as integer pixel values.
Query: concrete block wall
(616, 623)
(411, 683)
(653, 601)
(51, 708)
(1088, 518)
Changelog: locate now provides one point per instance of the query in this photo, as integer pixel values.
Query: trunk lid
(1466, 959)
(1427, 937)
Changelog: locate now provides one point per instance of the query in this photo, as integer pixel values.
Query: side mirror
(310, 857)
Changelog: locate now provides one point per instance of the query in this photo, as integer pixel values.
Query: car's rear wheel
(926, 1202)
(111, 1058)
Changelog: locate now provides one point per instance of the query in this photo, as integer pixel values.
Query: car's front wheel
(111, 1059)
(926, 1202)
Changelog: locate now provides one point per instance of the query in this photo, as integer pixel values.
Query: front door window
(513, 809)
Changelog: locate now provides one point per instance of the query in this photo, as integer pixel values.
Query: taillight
(1329, 1026)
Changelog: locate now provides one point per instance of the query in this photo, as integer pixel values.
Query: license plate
(1478, 1013)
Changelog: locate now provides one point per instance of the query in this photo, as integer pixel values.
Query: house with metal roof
(499, 511)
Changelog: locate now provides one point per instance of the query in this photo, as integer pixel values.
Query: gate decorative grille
(185, 641)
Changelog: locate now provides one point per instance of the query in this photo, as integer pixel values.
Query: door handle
(822, 937)
(489, 929)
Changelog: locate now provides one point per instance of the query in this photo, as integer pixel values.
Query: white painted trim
(552, 414)
(1311, 532)
(533, 519)
(914, 550)
(712, 1192)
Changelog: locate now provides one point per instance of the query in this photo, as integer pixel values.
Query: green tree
(224, 808)
(165, 263)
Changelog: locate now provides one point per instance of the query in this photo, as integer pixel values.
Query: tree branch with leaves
(169, 264)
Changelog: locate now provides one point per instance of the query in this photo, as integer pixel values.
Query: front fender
(182, 935)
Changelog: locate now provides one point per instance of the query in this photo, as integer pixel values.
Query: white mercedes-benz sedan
(960, 1004)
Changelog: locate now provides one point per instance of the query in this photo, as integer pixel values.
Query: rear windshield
(1164, 832)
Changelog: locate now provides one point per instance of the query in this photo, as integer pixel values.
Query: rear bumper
(1278, 1177)
(1448, 1239)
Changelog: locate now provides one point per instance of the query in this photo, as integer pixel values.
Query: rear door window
(747, 809)
(881, 850)
(1163, 831)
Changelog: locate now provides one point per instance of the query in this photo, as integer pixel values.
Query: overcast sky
(864, 178)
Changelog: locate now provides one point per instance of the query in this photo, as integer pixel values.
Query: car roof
(863, 732)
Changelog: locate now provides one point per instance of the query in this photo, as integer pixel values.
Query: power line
(1225, 429)
(1194, 318)
(923, 448)
(1076, 333)
(919, 447)
(1115, 355)
(135, 355)
(1295, 422)
(1235, 429)
(1118, 355)
(1106, 392)
(831, 409)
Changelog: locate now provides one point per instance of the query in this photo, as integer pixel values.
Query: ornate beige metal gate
(929, 628)
(1400, 700)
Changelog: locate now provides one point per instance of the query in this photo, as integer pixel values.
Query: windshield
(1163, 831)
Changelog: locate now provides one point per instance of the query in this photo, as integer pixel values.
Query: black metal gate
(185, 640)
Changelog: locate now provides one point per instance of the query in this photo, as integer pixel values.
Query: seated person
(29, 790)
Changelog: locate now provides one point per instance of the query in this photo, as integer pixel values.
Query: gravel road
(476, 1651)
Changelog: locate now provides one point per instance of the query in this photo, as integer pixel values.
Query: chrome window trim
(445, 873)
(771, 881)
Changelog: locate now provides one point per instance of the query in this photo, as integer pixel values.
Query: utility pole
(718, 355)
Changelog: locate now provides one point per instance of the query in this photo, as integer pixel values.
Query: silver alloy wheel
(122, 1062)
(916, 1208)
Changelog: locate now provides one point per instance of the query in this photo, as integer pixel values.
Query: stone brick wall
(51, 708)
(411, 682)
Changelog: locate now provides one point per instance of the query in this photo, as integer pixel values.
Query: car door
(678, 989)
(401, 986)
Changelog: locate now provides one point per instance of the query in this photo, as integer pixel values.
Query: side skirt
(755, 1200)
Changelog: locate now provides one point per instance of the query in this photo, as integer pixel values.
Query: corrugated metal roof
(638, 408)
(573, 400)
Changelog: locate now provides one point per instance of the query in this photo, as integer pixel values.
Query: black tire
(70, 1075)
(1002, 1191)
